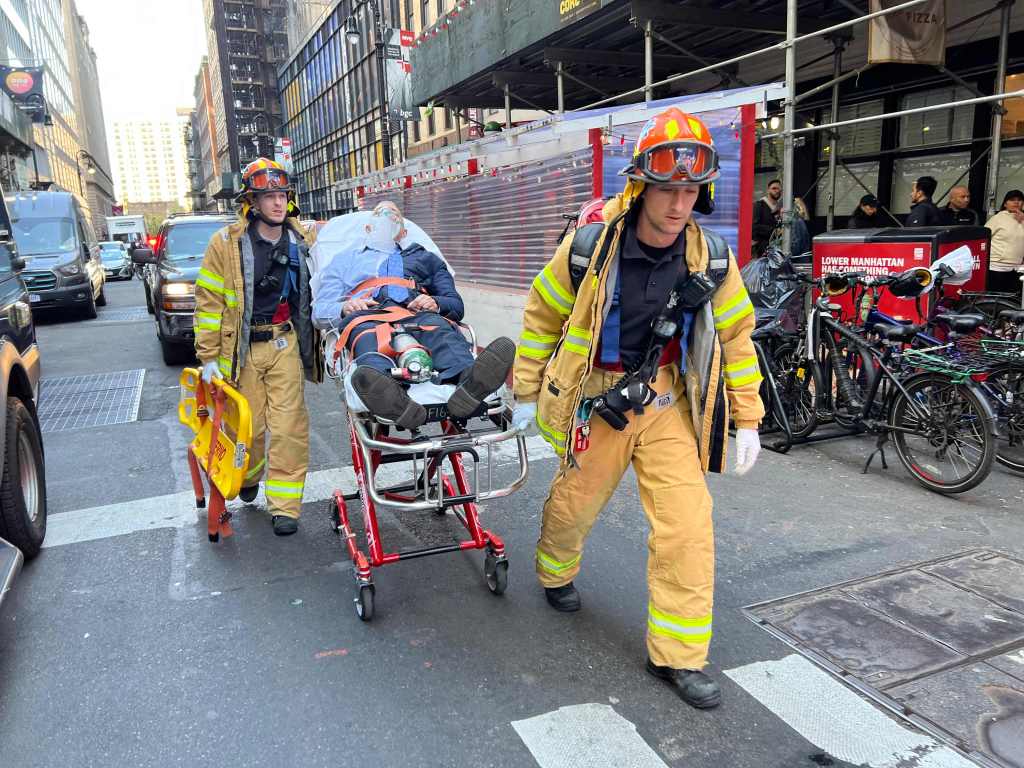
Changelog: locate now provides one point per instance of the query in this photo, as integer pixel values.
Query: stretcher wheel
(214, 537)
(496, 574)
(364, 601)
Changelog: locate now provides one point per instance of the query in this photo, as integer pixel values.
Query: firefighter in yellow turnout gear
(660, 306)
(253, 327)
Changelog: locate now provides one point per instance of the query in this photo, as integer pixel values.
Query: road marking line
(586, 736)
(837, 720)
(178, 510)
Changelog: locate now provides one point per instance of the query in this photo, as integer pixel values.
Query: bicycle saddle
(961, 323)
(898, 332)
(1012, 315)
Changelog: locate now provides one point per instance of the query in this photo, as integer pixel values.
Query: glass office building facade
(330, 94)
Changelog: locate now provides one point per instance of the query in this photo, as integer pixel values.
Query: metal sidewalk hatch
(95, 400)
(940, 643)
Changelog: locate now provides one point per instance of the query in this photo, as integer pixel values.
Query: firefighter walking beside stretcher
(253, 326)
(636, 347)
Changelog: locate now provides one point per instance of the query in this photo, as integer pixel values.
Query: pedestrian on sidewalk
(253, 327)
(923, 212)
(767, 214)
(1006, 256)
(641, 383)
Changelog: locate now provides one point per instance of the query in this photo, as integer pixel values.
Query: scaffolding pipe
(836, 80)
(787, 132)
(770, 49)
(997, 112)
(648, 61)
(833, 137)
(508, 108)
(560, 82)
(1019, 94)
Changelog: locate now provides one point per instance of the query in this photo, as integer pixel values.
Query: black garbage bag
(772, 285)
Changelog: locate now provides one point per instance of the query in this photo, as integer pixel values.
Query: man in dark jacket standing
(766, 216)
(959, 212)
(923, 212)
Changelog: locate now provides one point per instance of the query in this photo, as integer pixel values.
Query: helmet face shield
(268, 180)
(679, 162)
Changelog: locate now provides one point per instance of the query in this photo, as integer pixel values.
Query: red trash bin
(889, 251)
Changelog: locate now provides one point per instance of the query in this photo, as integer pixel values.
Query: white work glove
(211, 371)
(524, 418)
(748, 445)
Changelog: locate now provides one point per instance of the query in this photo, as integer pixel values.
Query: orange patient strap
(373, 283)
(385, 317)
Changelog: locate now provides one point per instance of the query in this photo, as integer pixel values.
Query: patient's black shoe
(489, 371)
(386, 398)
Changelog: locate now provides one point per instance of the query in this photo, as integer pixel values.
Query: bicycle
(933, 417)
(995, 354)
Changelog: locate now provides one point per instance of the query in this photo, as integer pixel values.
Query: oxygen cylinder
(411, 357)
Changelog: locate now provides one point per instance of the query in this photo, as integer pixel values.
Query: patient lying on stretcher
(380, 295)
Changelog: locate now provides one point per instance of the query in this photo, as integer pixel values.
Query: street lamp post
(352, 35)
(91, 168)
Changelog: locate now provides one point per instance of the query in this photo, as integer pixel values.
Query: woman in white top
(1006, 256)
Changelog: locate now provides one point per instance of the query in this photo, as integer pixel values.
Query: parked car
(22, 472)
(115, 259)
(62, 257)
(171, 271)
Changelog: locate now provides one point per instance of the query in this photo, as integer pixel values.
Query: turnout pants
(449, 350)
(273, 381)
(662, 447)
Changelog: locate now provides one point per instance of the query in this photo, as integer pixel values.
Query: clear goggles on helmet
(267, 179)
(681, 161)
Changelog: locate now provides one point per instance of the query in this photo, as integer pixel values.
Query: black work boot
(386, 398)
(488, 372)
(565, 598)
(284, 525)
(693, 686)
(249, 493)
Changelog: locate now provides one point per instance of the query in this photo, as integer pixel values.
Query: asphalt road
(153, 647)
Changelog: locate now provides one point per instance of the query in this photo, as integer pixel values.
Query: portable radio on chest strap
(633, 392)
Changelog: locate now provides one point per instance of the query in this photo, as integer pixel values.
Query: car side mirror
(18, 263)
(143, 256)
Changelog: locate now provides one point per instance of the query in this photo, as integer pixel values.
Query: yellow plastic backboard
(227, 463)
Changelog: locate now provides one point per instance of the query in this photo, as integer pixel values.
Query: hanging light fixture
(351, 31)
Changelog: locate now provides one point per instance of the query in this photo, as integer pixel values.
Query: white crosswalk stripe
(177, 510)
(837, 720)
(586, 736)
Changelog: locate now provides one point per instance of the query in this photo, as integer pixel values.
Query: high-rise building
(16, 140)
(70, 148)
(149, 162)
(97, 185)
(204, 163)
(247, 41)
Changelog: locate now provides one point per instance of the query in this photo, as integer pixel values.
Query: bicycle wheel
(949, 447)
(858, 366)
(800, 385)
(991, 307)
(1005, 387)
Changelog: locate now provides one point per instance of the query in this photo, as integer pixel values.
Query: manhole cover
(95, 400)
(125, 314)
(940, 643)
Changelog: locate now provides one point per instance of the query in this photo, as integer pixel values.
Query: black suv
(22, 475)
(170, 278)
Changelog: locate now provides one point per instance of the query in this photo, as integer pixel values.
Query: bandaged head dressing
(382, 230)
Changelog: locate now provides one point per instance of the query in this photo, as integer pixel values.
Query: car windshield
(41, 236)
(111, 252)
(187, 242)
